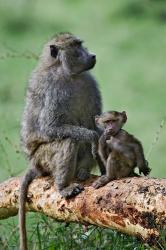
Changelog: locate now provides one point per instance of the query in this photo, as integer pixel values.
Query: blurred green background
(129, 39)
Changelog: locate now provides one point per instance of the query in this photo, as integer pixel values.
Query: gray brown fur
(58, 125)
(119, 151)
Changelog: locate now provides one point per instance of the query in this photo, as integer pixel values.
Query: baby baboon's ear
(124, 116)
(97, 118)
(53, 51)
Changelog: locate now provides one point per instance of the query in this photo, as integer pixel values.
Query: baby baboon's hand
(144, 168)
(107, 134)
(101, 181)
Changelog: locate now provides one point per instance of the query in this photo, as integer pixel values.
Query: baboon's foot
(72, 190)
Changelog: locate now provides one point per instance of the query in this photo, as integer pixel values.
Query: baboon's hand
(94, 149)
(93, 136)
(95, 144)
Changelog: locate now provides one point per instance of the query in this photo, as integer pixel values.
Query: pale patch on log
(135, 206)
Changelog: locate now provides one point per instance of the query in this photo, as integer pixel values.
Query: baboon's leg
(85, 162)
(65, 162)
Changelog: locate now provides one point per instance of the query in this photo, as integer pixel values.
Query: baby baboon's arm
(142, 164)
(103, 149)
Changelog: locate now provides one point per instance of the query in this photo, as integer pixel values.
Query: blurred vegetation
(129, 38)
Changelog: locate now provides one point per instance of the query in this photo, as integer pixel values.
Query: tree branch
(135, 206)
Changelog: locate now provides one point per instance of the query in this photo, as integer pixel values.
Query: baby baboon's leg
(85, 162)
(65, 164)
(111, 168)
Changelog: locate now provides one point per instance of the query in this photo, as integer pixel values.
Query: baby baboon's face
(111, 121)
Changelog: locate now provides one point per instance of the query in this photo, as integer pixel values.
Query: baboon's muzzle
(91, 62)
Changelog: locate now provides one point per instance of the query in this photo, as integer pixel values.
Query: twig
(26, 55)
(156, 138)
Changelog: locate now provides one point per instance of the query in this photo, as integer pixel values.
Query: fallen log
(135, 206)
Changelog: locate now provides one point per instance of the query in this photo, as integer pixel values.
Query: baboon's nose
(94, 57)
(91, 61)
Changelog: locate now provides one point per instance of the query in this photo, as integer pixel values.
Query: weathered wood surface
(135, 206)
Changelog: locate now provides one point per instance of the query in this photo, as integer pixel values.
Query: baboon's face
(112, 121)
(70, 55)
(76, 59)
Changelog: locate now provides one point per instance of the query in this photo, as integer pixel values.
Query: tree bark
(135, 206)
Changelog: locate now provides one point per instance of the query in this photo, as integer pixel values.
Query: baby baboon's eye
(53, 51)
(107, 121)
(110, 121)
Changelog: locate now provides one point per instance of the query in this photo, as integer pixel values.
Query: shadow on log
(135, 206)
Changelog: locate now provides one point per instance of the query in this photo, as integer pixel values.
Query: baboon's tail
(27, 179)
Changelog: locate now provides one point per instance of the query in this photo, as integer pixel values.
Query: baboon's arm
(54, 122)
(74, 132)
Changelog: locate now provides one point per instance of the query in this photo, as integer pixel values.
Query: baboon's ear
(53, 51)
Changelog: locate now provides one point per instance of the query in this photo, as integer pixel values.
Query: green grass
(47, 234)
(129, 38)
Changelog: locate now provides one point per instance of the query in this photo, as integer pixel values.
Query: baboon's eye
(77, 53)
(53, 51)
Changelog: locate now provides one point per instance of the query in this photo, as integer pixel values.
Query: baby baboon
(120, 151)
(58, 124)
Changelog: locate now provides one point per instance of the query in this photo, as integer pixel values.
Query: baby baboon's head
(112, 121)
(66, 51)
